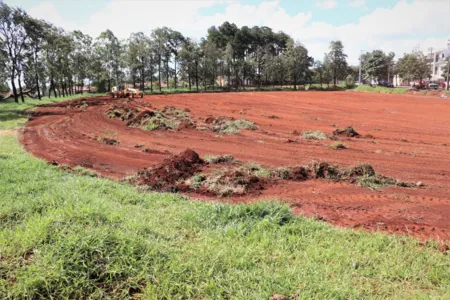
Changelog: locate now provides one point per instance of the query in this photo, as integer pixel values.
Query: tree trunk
(167, 75)
(109, 84)
(16, 97)
(20, 87)
(175, 80)
(189, 79)
(448, 73)
(196, 74)
(37, 85)
(134, 81)
(159, 73)
(151, 73)
(295, 82)
(143, 74)
(204, 75)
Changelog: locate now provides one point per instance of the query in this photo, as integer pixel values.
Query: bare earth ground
(411, 142)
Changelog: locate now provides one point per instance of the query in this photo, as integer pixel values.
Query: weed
(314, 135)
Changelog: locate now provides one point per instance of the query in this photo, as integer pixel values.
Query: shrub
(349, 82)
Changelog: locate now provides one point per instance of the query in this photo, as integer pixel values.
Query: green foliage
(376, 65)
(69, 236)
(349, 82)
(336, 62)
(413, 66)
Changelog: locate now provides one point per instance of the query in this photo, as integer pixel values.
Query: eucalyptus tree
(14, 38)
(110, 54)
(298, 62)
(137, 56)
(82, 56)
(338, 61)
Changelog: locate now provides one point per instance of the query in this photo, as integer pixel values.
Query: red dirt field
(411, 142)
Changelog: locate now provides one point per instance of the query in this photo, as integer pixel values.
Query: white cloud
(326, 4)
(357, 3)
(395, 29)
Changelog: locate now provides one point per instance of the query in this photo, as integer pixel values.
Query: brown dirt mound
(164, 177)
(349, 132)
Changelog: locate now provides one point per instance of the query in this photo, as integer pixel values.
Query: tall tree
(14, 38)
(110, 52)
(413, 66)
(338, 61)
(298, 62)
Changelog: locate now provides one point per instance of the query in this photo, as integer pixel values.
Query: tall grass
(63, 235)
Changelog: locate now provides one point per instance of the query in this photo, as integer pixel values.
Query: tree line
(37, 57)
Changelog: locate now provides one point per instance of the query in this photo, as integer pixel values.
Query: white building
(438, 62)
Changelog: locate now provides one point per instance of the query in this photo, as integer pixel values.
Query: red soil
(411, 143)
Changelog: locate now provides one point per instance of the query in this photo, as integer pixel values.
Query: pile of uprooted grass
(186, 172)
(167, 118)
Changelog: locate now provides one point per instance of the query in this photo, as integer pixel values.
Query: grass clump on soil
(338, 146)
(68, 236)
(234, 127)
(168, 118)
(314, 135)
(220, 159)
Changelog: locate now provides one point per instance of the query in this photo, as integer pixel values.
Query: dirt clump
(109, 141)
(165, 176)
(348, 132)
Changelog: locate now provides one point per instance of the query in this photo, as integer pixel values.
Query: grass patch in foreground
(380, 89)
(68, 236)
(13, 115)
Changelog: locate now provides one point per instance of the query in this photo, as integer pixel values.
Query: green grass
(63, 235)
(380, 89)
(13, 115)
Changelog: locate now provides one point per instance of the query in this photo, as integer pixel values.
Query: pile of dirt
(165, 177)
(348, 132)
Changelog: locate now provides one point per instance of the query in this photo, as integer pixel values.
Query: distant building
(438, 62)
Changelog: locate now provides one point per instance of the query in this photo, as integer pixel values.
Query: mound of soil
(110, 141)
(348, 132)
(165, 176)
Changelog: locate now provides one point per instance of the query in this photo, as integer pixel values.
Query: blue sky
(390, 25)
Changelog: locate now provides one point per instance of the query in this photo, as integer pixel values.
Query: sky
(362, 25)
